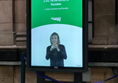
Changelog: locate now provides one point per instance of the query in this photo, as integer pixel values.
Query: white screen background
(70, 37)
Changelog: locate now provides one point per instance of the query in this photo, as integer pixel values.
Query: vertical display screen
(57, 33)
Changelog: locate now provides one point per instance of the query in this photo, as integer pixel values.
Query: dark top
(56, 58)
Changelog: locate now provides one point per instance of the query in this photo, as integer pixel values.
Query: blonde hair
(57, 37)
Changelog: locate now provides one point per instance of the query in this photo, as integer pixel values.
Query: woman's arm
(48, 53)
(62, 52)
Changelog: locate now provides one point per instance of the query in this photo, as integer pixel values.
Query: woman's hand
(56, 46)
(52, 47)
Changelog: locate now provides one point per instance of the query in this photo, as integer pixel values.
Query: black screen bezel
(62, 69)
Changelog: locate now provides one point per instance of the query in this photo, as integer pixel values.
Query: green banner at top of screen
(44, 12)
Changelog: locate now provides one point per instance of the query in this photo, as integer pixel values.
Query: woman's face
(54, 39)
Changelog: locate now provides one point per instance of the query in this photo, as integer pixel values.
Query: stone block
(30, 74)
(6, 38)
(97, 73)
(6, 72)
(109, 81)
(61, 76)
(109, 73)
(104, 7)
(113, 35)
(100, 41)
(20, 27)
(6, 27)
(102, 23)
(6, 11)
(31, 80)
(17, 72)
(113, 31)
(95, 80)
(20, 43)
(112, 81)
(17, 80)
(6, 80)
(113, 41)
(20, 11)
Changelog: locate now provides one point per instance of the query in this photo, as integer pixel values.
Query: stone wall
(12, 21)
(6, 23)
(105, 30)
(11, 74)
